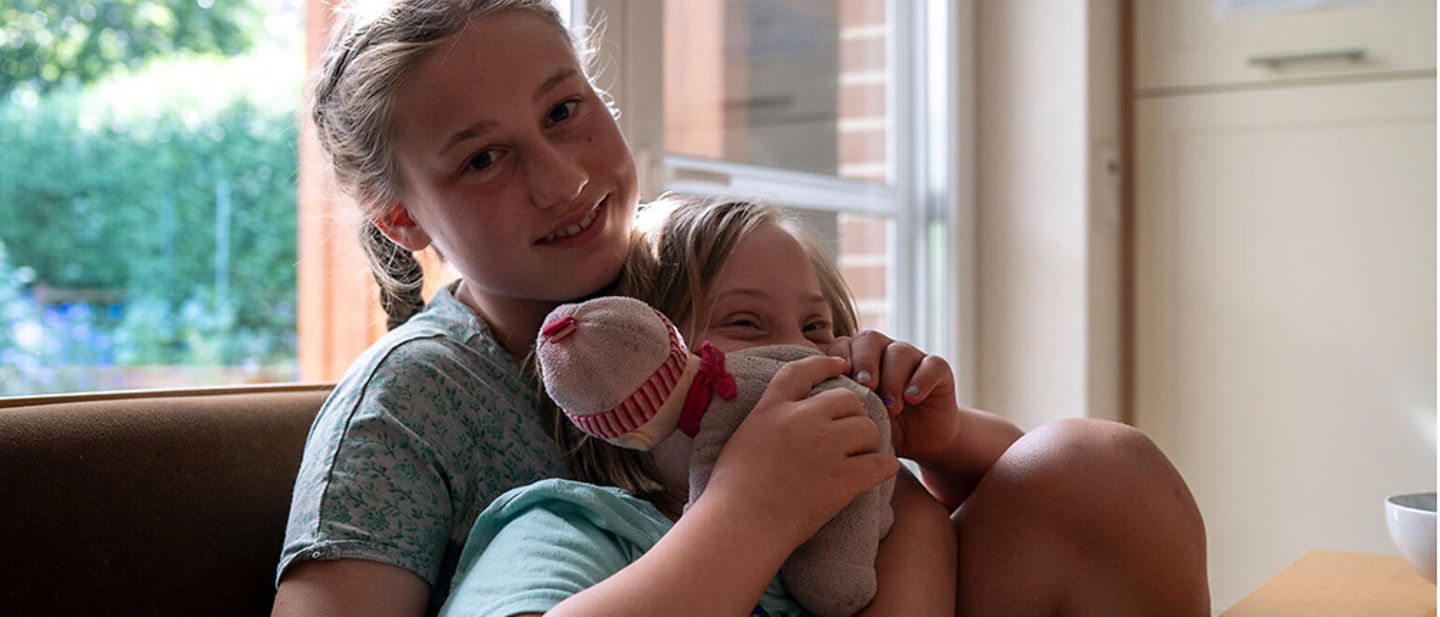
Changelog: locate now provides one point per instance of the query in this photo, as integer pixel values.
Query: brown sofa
(148, 503)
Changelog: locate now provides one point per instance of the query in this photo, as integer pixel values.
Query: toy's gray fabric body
(833, 573)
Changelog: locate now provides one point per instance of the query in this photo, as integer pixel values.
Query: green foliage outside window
(147, 216)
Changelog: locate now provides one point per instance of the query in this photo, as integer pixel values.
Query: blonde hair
(372, 47)
(687, 242)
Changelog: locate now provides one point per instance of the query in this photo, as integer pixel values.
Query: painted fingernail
(863, 378)
(912, 390)
(888, 401)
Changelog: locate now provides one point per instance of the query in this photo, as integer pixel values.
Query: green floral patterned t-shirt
(428, 427)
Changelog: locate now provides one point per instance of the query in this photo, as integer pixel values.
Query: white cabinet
(1285, 327)
(1285, 273)
(1189, 43)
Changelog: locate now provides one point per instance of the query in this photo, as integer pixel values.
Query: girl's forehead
(769, 257)
(511, 51)
(492, 74)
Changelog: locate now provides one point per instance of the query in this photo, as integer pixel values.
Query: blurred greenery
(149, 215)
(52, 43)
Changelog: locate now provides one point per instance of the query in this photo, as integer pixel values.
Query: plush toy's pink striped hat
(612, 364)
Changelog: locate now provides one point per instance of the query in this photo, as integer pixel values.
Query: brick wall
(863, 134)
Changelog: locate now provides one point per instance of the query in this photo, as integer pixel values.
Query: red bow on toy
(709, 380)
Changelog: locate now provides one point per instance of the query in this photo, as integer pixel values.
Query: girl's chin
(587, 284)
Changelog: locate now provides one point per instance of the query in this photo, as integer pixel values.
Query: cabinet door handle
(1275, 61)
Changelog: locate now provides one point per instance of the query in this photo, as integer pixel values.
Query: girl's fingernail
(888, 401)
(863, 378)
(912, 390)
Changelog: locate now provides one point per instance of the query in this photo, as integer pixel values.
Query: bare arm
(350, 587)
(713, 562)
(952, 472)
(916, 563)
(954, 445)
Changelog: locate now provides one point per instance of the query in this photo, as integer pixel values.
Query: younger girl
(1077, 517)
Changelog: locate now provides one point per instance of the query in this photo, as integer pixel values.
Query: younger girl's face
(512, 165)
(767, 293)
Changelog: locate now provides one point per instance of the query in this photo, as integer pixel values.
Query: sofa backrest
(148, 503)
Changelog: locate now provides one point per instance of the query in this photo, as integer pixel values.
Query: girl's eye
(561, 112)
(482, 160)
(818, 326)
(743, 322)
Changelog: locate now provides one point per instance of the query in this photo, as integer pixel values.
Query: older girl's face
(512, 165)
(767, 293)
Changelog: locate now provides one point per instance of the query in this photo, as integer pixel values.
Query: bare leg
(1082, 517)
(916, 563)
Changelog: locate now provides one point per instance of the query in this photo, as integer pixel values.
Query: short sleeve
(425, 430)
(373, 484)
(535, 561)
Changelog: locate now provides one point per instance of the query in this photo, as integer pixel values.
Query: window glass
(147, 189)
(794, 84)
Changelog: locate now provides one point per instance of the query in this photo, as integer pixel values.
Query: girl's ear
(397, 225)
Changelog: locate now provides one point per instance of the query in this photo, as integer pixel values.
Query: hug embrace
(440, 477)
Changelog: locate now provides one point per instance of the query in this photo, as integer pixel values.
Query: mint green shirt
(427, 428)
(540, 544)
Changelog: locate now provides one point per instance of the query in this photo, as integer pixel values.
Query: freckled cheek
(602, 155)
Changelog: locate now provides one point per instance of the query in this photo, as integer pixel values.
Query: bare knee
(1120, 504)
(1095, 486)
(1091, 454)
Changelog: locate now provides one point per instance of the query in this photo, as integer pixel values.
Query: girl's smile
(573, 230)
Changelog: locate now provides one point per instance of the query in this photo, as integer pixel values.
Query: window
(148, 193)
(166, 223)
(814, 105)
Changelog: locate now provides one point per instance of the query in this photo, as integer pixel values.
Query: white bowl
(1411, 519)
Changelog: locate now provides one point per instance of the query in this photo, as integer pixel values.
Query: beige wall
(1285, 331)
(1047, 109)
(1104, 174)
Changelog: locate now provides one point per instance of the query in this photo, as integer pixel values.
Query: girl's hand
(795, 461)
(955, 446)
(917, 388)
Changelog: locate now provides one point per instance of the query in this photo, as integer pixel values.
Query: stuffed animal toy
(621, 372)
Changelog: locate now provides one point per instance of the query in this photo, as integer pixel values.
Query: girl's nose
(555, 177)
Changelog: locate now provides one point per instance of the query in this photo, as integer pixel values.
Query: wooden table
(1333, 583)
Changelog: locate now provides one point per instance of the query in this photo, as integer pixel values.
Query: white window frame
(929, 159)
